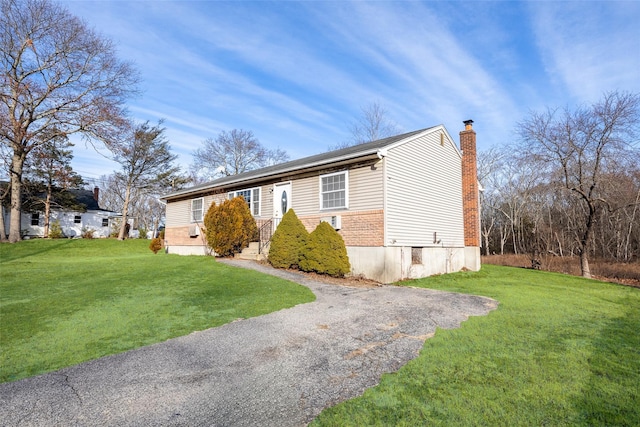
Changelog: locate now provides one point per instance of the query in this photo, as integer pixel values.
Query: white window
(251, 196)
(334, 190)
(197, 206)
(35, 218)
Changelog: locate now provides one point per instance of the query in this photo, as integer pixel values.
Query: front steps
(251, 253)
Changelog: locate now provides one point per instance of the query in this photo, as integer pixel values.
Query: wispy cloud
(296, 73)
(424, 68)
(589, 50)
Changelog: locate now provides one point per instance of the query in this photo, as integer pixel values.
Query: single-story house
(406, 206)
(72, 221)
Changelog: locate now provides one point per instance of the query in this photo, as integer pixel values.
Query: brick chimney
(96, 194)
(470, 195)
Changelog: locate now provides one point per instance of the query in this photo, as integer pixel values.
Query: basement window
(416, 256)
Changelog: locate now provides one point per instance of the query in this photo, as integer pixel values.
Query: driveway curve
(280, 369)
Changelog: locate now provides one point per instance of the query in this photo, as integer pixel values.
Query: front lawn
(559, 350)
(63, 302)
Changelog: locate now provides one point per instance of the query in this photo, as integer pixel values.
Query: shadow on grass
(28, 250)
(611, 394)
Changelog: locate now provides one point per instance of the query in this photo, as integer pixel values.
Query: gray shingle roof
(352, 152)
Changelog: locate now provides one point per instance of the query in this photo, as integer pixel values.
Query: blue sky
(297, 73)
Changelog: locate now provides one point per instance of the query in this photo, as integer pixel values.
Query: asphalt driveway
(279, 369)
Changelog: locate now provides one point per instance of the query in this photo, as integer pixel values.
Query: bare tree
(144, 205)
(374, 124)
(489, 165)
(581, 147)
(58, 77)
(112, 191)
(147, 163)
(232, 153)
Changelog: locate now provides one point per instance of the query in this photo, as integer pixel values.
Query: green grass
(559, 350)
(63, 302)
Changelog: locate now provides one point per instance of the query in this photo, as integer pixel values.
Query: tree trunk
(15, 225)
(584, 264)
(627, 239)
(486, 244)
(584, 243)
(486, 233)
(125, 211)
(3, 235)
(559, 245)
(47, 211)
(156, 224)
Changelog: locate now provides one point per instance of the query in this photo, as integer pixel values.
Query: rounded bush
(155, 245)
(287, 241)
(325, 252)
(230, 227)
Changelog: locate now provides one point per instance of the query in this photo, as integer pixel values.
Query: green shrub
(143, 232)
(156, 245)
(115, 227)
(287, 241)
(230, 227)
(87, 233)
(55, 230)
(325, 252)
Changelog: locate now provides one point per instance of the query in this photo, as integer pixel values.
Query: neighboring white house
(406, 206)
(72, 222)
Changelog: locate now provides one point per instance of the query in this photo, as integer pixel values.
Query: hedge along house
(406, 206)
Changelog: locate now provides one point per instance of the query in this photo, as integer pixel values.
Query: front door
(281, 201)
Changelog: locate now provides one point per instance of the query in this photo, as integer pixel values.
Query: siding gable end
(424, 192)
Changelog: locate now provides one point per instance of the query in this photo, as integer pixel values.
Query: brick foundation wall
(179, 236)
(470, 195)
(358, 228)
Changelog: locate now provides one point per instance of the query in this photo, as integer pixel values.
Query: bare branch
(232, 153)
(59, 77)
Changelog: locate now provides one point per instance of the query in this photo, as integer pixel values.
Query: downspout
(382, 153)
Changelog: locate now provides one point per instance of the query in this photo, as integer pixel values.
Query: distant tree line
(568, 186)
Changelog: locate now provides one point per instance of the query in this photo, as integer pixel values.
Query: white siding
(365, 191)
(305, 196)
(366, 188)
(266, 201)
(179, 213)
(90, 220)
(424, 193)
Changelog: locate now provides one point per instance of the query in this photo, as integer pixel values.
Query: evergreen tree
(230, 227)
(287, 241)
(325, 252)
